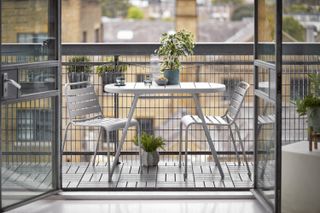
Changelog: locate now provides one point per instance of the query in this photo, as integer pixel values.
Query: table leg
(124, 133)
(206, 130)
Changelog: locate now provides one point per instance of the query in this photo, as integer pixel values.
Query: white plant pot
(150, 158)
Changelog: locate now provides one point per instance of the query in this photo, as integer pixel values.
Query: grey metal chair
(226, 120)
(84, 110)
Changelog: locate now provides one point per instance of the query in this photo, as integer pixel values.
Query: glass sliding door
(267, 72)
(30, 107)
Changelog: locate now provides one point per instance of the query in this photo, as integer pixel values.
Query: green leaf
(150, 143)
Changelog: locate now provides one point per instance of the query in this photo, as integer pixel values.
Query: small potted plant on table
(149, 145)
(110, 72)
(79, 70)
(310, 105)
(172, 47)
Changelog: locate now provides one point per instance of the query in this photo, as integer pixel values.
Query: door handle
(13, 83)
(5, 82)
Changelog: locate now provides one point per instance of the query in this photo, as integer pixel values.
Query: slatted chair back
(236, 101)
(82, 102)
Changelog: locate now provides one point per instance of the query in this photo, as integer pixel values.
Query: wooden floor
(167, 175)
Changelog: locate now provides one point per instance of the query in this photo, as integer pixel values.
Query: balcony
(224, 63)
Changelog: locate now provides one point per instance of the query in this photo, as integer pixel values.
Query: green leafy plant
(83, 65)
(150, 143)
(173, 46)
(313, 99)
(111, 68)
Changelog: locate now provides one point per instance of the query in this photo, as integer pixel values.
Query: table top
(184, 87)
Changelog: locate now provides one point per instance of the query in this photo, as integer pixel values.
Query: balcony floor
(167, 175)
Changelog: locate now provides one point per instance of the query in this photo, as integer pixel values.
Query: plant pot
(78, 77)
(313, 115)
(150, 158)
(110, 77)
(173, 76)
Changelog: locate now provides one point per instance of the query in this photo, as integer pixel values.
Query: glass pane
(300, 22)
(27, 138)
(37, 80)
(26, 31)
(266, 29)
(266, 149)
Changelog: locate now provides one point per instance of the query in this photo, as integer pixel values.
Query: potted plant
(149, 145)
(110, 72)
(79, 72)
(310, 105)
(172, 47)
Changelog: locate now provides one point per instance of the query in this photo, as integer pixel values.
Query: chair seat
(188, 120)
(109, 124)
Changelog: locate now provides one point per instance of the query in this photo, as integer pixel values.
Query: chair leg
(65, 136)
(139, 143)
(96, 148)
(180, 143)
(186, 154)
(242, 147)
(234, 145)
(108, 155)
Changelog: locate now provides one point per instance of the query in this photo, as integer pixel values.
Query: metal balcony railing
(215, 62)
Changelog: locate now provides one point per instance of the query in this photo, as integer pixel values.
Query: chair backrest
(82, 101)
(236, 101)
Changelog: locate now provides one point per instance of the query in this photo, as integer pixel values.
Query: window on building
(34, 125)
(97, 35)
(230, 87)
(298, 88)
(31, 37)
(146, 125)
(84, 36)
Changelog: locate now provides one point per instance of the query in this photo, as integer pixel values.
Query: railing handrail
(201, 48)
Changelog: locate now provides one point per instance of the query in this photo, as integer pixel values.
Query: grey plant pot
(78, 77)
(173, 76)
(110, 77)
(150, 158)
(313, 118)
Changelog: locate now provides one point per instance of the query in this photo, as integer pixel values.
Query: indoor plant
(310, 105)
(79, 72)
(172, 47)
(109, 72)
(149, 145)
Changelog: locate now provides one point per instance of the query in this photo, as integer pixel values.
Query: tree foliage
(115, 8)
(293, 28)
(135, 13)
(242, 12)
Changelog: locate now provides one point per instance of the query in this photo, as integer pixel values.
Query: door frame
(54, 14)
(278, 105)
